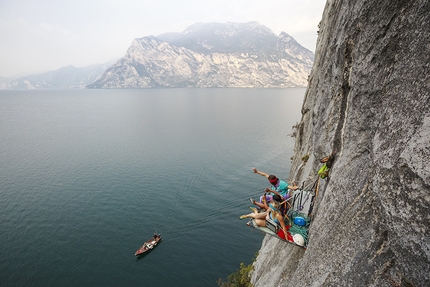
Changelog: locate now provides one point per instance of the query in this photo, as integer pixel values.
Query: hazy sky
(43, 35)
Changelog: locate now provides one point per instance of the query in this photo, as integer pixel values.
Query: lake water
(86, 176)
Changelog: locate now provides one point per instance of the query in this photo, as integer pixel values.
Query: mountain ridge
(220, 55)
(66, 77)
(211, 55)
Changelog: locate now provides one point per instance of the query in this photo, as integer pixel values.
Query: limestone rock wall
(369, 99)
(211, 55)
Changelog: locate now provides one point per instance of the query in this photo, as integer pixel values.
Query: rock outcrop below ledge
(368, 98)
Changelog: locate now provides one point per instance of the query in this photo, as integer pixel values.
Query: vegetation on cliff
(240, 278)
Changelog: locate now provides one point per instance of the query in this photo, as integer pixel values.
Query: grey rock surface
(369, 99)
(212, 55)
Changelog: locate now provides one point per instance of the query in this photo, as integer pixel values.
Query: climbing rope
(297, 229)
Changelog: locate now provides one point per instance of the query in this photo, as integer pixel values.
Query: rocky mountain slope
(368, 98)
(212, 55)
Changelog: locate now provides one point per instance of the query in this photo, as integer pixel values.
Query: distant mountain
(212, 55)
(4, 83)
(68, 77)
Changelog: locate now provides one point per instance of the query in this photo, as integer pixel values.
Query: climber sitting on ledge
(278, 186)
(274, 211)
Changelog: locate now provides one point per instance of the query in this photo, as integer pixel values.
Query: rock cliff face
(212, 55)
(368, 98)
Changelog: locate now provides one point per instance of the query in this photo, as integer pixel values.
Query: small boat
(148, 245)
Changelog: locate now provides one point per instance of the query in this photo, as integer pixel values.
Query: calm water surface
(87, 175)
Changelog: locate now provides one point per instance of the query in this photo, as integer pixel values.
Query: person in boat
(278, 186)
(273, 210)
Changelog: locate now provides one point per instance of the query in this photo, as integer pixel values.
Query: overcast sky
(42, 35)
